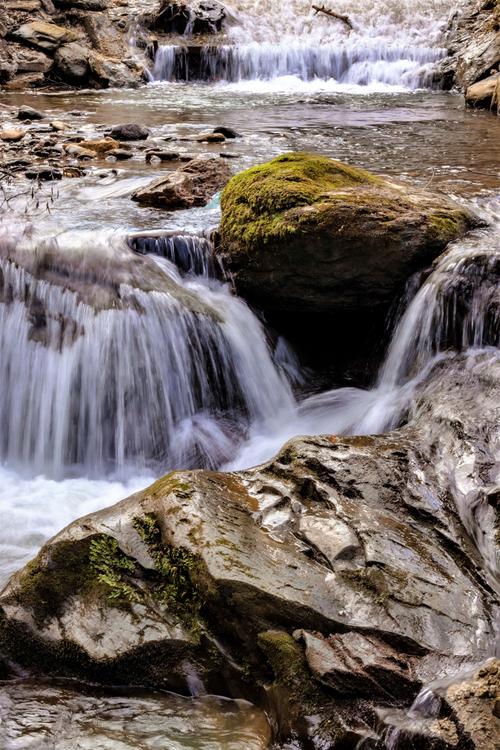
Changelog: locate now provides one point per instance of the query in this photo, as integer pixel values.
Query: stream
(231, 393)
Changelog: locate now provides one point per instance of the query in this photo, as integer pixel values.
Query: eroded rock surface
(328, 583)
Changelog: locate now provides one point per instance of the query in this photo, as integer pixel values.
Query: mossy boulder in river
(309, 237)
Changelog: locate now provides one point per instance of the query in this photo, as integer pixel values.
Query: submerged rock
(191, 185)
(29, 113)
(332, 581)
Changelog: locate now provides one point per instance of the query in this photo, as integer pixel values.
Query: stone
(58, 125)
(120, 154)
(100, 146)
(473, 41)
(202, 17)
(485, 94)
(12, 135)
(162, 155)
(31, 60)
(227, 132)
(129, 132)
(73, 149)
(72, 62)
(88, 5)
(46, 36)
(310, 239)
(28, 113)
(132, 594)
(26, 81)
(211, 138)
(44, 174)
(108, 72)
(191, 185)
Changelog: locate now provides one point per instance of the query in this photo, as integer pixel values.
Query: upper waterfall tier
(390, 43)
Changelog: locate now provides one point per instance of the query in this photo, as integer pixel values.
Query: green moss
(179, 571)
(111, 567)
(75, 567)
(447, 226)
(255, 202)
(286, 658)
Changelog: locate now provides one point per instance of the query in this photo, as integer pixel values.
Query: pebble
(28, 113)
(12, 136)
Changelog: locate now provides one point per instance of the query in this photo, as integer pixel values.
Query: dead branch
(338, 16)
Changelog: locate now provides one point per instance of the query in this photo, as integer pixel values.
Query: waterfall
(137, 377)
(395, 43)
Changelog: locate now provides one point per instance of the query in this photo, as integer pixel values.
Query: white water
(392, 44)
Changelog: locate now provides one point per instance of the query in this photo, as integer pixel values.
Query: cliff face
(71, 42)
(473, 42)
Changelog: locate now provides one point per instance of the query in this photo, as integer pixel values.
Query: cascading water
(151, 378)
(393, 43)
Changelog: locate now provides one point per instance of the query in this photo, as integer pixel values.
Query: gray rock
(72, 62)
(44, 174)
(28, 113)
(129, 132)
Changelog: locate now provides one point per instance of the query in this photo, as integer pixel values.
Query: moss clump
(447, 226)
(178, 569)
(111, 567)
(255, 202)
(286, 658)
(72, 567)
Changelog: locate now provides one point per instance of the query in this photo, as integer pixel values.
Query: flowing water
(107, 385)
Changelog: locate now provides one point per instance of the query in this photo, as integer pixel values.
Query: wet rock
(28, 113)
(90, 5)
(108, 72)
(227, 132)
(72, 62)
(187, 574)
(79, 152)
(474, 701)
(211, 138)
(307, 236)
(161, 155)
(58, 125)
(485, 94)
(120, 154)
(12, 135)
(130, 132)
(201, 16)
(473, 42)
(44, 174)
(45, 36)
(101, 146)
(191, 185)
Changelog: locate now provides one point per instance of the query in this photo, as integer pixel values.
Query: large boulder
(315, 242)
(191, 185)
(325, 585)
(305, 233)
(72, 62)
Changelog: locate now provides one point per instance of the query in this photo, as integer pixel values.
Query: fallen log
(338, 16)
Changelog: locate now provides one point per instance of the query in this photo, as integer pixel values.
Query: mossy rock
(308, 234)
